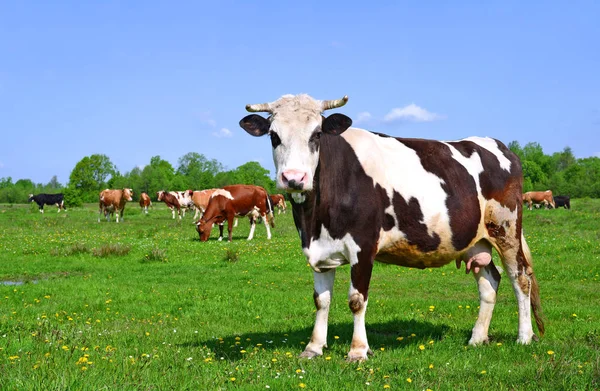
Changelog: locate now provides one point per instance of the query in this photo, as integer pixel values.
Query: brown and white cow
(113, 201)
(185, 200)
(200, 199)
(359, 196)
(278, 200)
(170, 200)
(145, 202)
(236, 200)
(539, 198)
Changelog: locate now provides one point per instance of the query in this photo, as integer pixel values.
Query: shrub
(108, 250)
(155, 255)
(231, 255)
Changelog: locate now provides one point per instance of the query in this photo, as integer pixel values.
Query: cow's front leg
(230, 227)
(322, 296)
(220, 231)
(252, 227)
(358, 297)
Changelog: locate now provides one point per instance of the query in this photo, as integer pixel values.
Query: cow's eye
(275, 140)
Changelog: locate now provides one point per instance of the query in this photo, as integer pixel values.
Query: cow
(113, 201)
(278, 200)
(48, 199)
(359, 196)
(200, 199)
(236, 200)
(170, 200)
(145, 202)
(564, 201)
(185, 200)
(539, 198)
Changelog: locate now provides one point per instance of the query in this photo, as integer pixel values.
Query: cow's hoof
(309, 354)
(356, 358)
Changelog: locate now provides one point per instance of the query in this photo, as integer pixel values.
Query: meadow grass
(143, 305)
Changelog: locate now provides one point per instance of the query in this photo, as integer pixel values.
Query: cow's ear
(255, 125)
(336, 124)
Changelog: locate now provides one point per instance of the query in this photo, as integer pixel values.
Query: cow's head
(159, 195)
(203, 228)
(295, 125)
(128, 194)
(30, 199)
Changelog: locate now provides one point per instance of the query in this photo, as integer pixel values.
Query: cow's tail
(270, 217)
(534, 296)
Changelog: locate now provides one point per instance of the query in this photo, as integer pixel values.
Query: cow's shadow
(413, 332)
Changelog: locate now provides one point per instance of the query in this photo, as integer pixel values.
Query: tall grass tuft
(74, 249)
(231, 256)
(155, 255)
(108, 250)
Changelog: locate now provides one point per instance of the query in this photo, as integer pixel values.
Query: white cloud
(412, 112)
(224, 132)
(363, 117)
(206, 117)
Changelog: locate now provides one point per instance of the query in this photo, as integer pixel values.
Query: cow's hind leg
(508, 239)
(322, 296)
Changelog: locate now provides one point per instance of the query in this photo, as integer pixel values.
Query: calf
(278, 200)
(539, 198)
(171, 201)
(236, 200)
(48, 199)
(359, 196)
(564, 201)
(200, 199)
(185, 200)
(145, 202)
(113, 201)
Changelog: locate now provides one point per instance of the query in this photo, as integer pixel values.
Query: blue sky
(136, 79)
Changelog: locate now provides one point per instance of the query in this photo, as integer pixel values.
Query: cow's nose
(293, 179)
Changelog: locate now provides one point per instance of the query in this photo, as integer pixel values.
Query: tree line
(97, 172)
(560, 172)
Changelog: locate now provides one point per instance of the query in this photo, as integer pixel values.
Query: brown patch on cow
(356, 302)
(523, 283)
(316, 300)
(461, 201)
(495, 231)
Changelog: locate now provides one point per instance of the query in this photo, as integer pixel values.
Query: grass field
(143, 305)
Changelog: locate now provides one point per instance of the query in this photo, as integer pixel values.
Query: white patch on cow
(409, 178)
(223, 193)
(327, 252)
(472, 164)
(298, 197)
(491, 145)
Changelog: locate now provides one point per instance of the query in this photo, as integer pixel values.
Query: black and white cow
(359, 196)
(48, 199)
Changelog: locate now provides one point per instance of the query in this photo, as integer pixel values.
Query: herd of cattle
(213, 206)
(546, 199)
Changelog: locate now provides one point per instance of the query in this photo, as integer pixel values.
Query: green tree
(90, 176)
(198, 172)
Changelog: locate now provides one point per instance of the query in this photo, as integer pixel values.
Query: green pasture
(143, 305)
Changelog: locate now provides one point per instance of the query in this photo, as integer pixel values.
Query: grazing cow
(236, 200)
(113, 201)
(564, 201)
(200, 199)
(185, 200)
(359, 196)
(278, 200)
(538, 198)
(145, 202)
(170, 200)
(48, 199)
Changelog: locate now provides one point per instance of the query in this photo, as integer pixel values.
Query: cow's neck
(305, 211)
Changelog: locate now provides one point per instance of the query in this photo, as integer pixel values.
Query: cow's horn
(334, 103)
(257, 108)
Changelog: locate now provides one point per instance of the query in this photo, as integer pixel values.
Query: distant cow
(48, 199)
(278, 200)
(236, 200)
(185, 200)
(539, 197)
(564, 201)
(170, 200)
(145, 202)
(200, 199)
(360, 197)
(113, 201)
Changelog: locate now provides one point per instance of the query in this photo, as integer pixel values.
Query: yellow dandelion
(298, 370)
(499, 344)
(399, 338)
(328, 358)
(382, 349)
(421, 347)
(242, 351)
(430, 366)
(302, 385)
(483, 372)
(409, 380)
(550, 352)
(336, 337)
(232, 378)
(84, 368)
(386, 386)
(65, 347)
(574, 315)
(274, 360)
